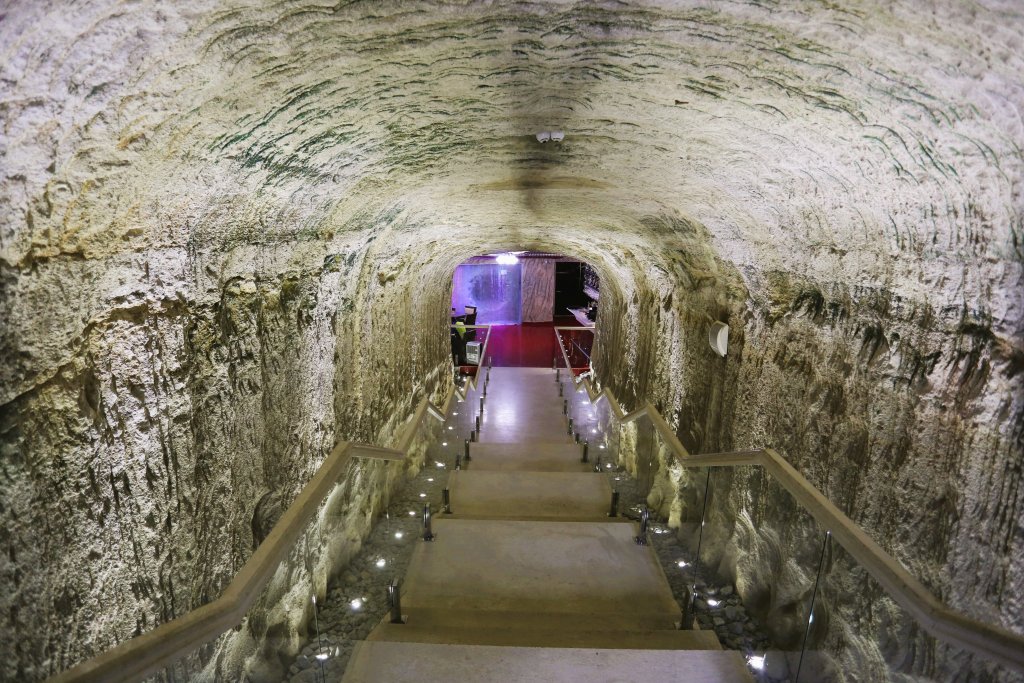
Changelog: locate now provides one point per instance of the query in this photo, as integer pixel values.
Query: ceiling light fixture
(507, 259)
(550, 136)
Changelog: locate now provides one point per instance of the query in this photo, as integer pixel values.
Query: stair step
(582, 568)
(475, 617)
(496, 495)
(389, 662)
(509, 634)
(542, 456)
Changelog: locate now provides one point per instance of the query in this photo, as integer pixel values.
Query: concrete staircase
(529, 579)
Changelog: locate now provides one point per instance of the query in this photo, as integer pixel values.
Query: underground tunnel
(230, 243)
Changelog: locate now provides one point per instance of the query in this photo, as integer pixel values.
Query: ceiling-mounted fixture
(550, 136)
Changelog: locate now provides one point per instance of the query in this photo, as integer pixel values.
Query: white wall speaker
(718, 338)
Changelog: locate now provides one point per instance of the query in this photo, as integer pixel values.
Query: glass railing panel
(862, 634)
(760, 552)
(327, 593)
(685, 570)
(646, 453)
(603, 435)
(577, 343)
(454, 431)
(284, 617)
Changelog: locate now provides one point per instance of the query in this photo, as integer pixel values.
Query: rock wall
(907, 415)
(142, 473)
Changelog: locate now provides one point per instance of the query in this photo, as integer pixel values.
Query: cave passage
(228, 230)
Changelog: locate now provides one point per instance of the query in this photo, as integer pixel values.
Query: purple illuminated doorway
(523, 300)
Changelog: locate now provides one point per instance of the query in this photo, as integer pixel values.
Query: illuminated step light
(712, 602)
(399, 534)
(322, 656)
(682, 564)
(756, 662)
(357, 603)
(381, 563)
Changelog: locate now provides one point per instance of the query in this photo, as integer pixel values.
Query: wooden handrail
(144, 655)
(988, 640)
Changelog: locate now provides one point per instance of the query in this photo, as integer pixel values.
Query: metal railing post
(465, 455)
(570, 427)
(810, 611)
(614, 510)
(565, 406)
(458, 462)
(446, 499)
(586, 447)
(428, 534)
(478, 424)
(645, 518)
(576, 437)
(686, 619)
(395, 600)
(319, 639)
